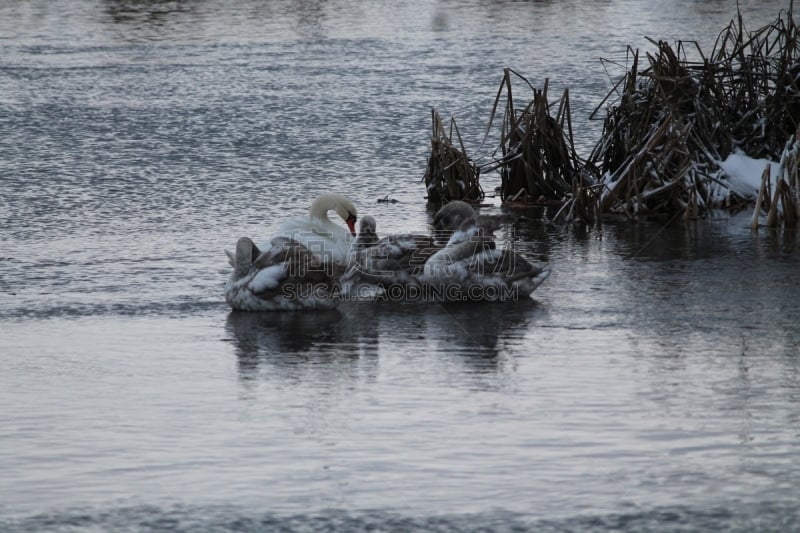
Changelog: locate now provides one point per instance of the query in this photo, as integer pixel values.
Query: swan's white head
(335, 202)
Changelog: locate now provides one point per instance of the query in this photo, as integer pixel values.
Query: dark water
(652, 383)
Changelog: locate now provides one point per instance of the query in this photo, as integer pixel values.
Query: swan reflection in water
(482, 335)
(478, 335)
(266, 333)
(287, 342)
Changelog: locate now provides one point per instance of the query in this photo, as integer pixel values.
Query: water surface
(652, 382)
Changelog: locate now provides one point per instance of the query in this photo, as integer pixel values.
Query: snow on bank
(744, 173)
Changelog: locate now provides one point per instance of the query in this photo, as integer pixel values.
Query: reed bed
(538, 161)
(450, 174)
(675, 120)
(670, 121)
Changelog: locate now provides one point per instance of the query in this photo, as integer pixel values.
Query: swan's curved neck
(322, 215)
(321, 206)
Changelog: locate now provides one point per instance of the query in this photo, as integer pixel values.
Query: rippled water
(653, 382)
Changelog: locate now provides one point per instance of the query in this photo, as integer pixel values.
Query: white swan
(392, 261)
(470, 267)
(330, 242)
(286, 277)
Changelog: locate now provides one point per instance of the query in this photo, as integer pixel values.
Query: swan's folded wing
(288, 266)
(395, 258)
(504, 263)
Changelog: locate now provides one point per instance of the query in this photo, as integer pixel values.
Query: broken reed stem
(772, 216)
(760, 199)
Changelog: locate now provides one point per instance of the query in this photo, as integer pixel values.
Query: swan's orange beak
(351, 223)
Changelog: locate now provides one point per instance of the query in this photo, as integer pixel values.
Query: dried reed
(450, 174)
(675, 120)
(538, 162)
(670, 121)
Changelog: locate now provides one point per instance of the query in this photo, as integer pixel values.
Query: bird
(367, 233)
(285, 277)
(329, 241)
(471, 267)
(394, 261)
